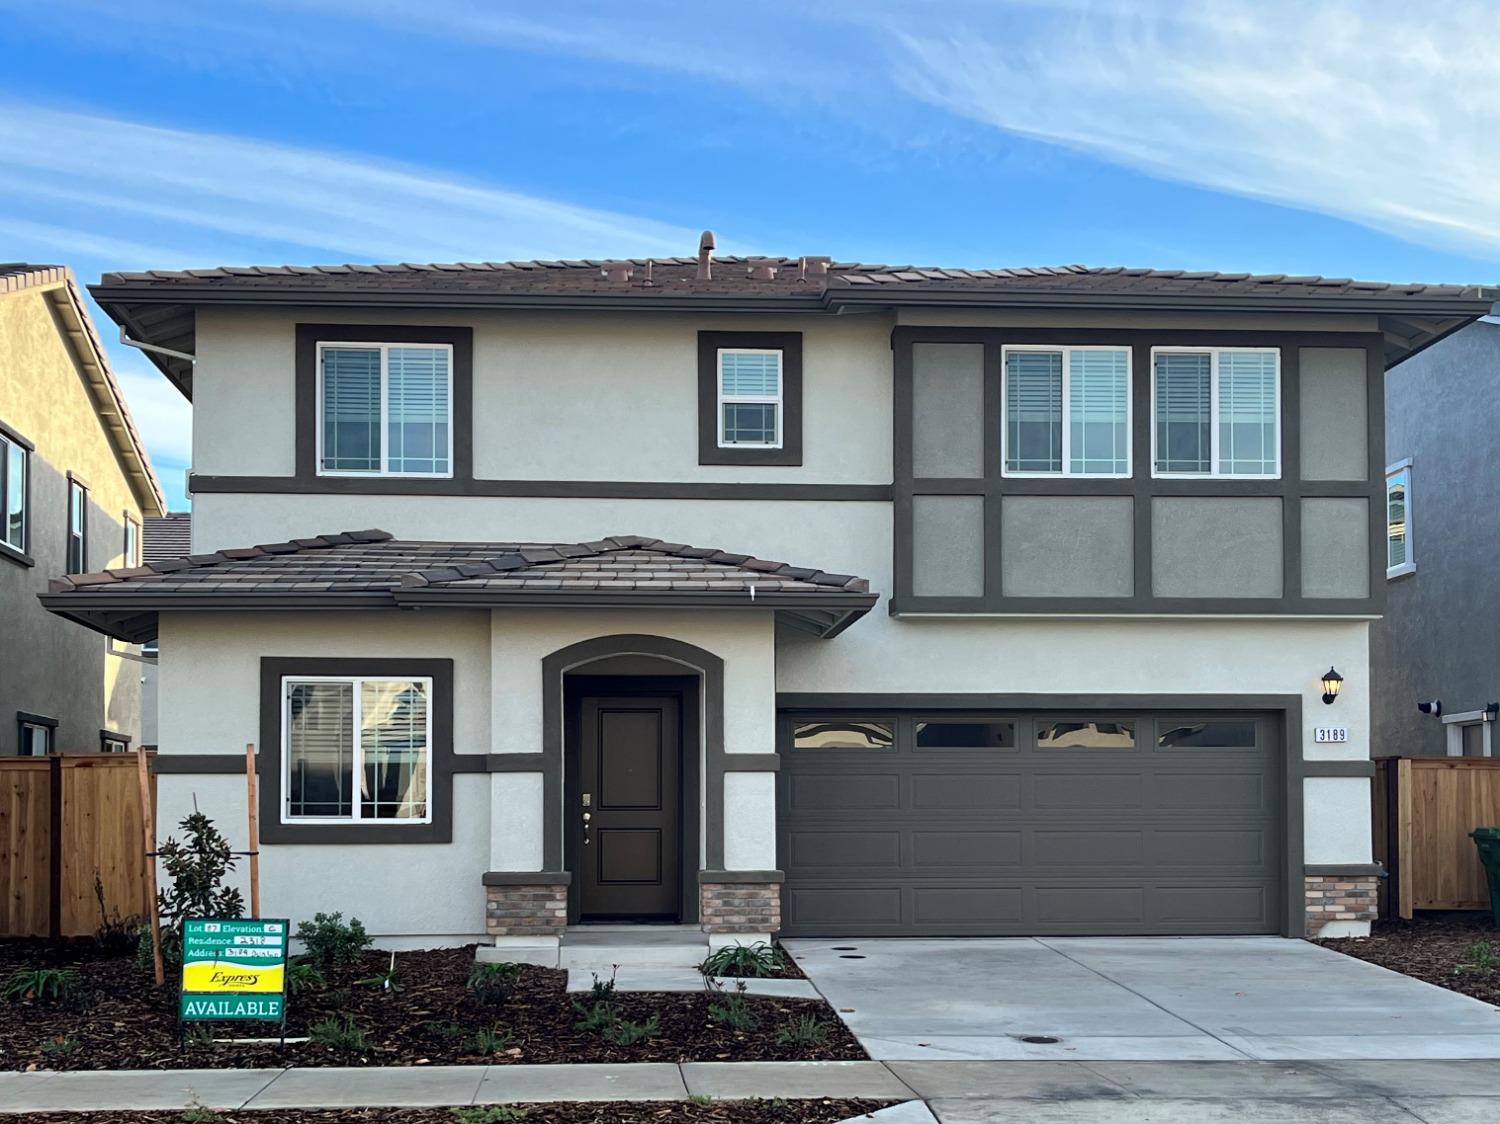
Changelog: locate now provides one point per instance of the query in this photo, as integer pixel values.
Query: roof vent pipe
(816, 267)
(616, 271)
(706, 256)
(762, 269)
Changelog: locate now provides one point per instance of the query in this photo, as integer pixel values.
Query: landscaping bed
(596, 1112)
(116, 1019)
(1459, 951)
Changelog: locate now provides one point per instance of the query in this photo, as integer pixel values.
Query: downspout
(142, 346)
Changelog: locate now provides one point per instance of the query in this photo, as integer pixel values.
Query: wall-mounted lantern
(1333, 683)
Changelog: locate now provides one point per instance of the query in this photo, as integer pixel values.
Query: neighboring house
(562, 604)
(165, 537)
(75, 486)
(1438, 641)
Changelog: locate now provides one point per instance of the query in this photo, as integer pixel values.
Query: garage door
(954, 824)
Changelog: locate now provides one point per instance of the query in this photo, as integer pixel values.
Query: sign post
(234, 969)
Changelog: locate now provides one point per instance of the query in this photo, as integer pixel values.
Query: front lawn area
(597, 1112)
(1459, 951)
(109, 1016)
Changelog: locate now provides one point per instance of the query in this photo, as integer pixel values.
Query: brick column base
(1340, 897)
(739, 901)
(525, 904)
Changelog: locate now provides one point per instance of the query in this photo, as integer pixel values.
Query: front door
(628, 822)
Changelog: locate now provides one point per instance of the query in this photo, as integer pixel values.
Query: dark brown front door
(628, 823)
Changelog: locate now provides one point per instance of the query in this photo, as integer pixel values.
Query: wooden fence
(65, 821)
(1423, 811)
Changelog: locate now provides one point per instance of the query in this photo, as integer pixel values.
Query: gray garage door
(947, 824)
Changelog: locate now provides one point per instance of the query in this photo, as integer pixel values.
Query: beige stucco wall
(50, 666)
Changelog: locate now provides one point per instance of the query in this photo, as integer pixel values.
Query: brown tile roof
(766, 277)
(167, 536)
(372, 569)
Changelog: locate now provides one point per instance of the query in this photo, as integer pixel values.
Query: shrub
(115, 933)
(61, 1046)
(197, 1112)
(493, 983)
(604, 989)
(1479, 957)
(491, 1041)
(758, 960)
(806, 1031)
(627, 1033)
(332, 944)
(195, 873)
(303, 977)
(596, 1016)
(488, 1114)
(56, 985)
(337, 1034)
(733, 1010)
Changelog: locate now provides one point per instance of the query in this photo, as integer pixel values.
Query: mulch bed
(599, 1112)
(1433, 947)
(432, 1020)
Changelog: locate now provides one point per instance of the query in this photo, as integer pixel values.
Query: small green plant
(332, 944)
(337, 1034)
(627, 1033)
(60, 1047)
(732, 1009)
(494, 983)
(196, 1112)
(55, 985)
(598, 1016)
(302, 977)
(387, 981)
(1479, 957)
(445, 1031)
(488, 1114)
(115, 933)
(805, 1032)
(490, 1041)
(757, 960)
(699, 1098)
(197, 1036)
(604, 990)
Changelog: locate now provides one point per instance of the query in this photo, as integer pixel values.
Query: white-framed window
(356, 749)
(1216, 411)
(132, 550)
(750, 398)
(111, 742)
(1066, 411)
(38, 734)
(78, 527)
(1399, 558)
(385, 409)
(15, 479)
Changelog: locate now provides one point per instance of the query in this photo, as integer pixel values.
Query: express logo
(234, 979)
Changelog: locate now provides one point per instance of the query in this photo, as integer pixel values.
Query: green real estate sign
(234, 969)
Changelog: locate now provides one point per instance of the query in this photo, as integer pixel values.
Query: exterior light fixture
(1433, 707)
(1333, 682)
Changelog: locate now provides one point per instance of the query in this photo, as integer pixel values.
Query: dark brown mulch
(599, 1112)
(1433, 947)
(432, 1020)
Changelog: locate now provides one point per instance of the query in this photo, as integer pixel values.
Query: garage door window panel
(1210, 733)
(963, 734)
(1086, 733)
(844, 734)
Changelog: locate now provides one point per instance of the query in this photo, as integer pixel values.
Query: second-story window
(749, 398)
(1067, 411)
(132, 553)
(15, 466)
(384, 409)
(1217, 412)
(1398, 553)
(78, 527)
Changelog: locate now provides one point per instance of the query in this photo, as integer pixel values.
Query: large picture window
(385, 409)
(356, 749)
(1217, 412)
(15, 484)
(1067, 411)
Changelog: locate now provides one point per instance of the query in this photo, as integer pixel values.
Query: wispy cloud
(239, 197)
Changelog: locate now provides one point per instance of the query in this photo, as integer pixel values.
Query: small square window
(843, 733)
(111, 742)
(37, 735)
(750, 398)
(1085, 733)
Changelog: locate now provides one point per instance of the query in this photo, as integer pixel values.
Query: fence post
(148, 832)
(1404, 891)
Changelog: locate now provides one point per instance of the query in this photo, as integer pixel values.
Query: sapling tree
(194, 871)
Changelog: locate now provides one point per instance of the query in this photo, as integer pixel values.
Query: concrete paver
(650, 1081)
(135, 1089)
(1006, 1080)
(738, 1080)
(1173, 1111)
(392, 1087)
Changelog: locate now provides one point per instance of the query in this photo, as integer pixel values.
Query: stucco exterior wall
(50, 666)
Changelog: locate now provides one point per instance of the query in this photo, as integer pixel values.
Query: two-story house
(75, 486)
(777, 593)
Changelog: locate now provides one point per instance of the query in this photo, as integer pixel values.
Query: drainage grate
(1039, 1039)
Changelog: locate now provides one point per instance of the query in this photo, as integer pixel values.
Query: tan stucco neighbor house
(75, 487)
(777, 593)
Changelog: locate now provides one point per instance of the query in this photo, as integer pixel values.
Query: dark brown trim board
(1141, 488)
(200, 763)
(462, 409)
(268, 757)
(1287, 709)
(543, 489)
(790, 346)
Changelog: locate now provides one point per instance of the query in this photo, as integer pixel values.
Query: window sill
(11, 554)
(1400, 571)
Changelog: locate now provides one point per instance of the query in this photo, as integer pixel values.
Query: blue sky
(1349, 139)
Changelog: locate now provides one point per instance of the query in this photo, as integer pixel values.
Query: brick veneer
(1340, 897)
(740, 907)
(526, 910)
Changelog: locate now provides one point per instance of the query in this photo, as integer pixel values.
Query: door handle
(586, 818)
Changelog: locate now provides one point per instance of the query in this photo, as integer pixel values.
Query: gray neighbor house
(1439, 642)
(778, 593)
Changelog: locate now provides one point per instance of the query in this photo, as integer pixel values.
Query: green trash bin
(1487, 839)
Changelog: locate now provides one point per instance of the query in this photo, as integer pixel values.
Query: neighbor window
(132, 542)
(356, 749)
(111, 742)
(384, 409)
(1085, 734)
(843, 733)
(1067, 411)
(38, 734)
(1217, 412)
(78, 527)
(15, 469)
(1398, 553)
(749, 398)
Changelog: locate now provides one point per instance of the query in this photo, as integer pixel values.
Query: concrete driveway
(1143, 999)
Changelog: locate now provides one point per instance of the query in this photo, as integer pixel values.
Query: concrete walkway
(956, 1092)
(1137, 999)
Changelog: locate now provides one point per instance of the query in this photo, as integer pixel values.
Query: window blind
(1184, 412)
(1098, 411)
(1397, 552)
(750, 374)
(351, 409)
(417, 409)
(1247, 413)
(320, 749)
(393, 750)
(1033, 411)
